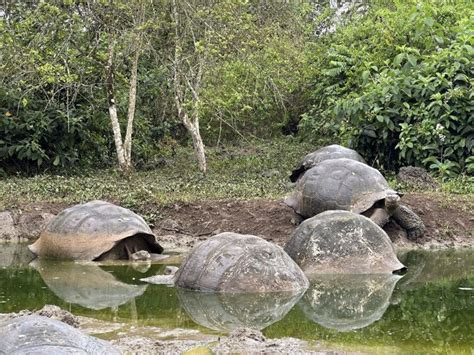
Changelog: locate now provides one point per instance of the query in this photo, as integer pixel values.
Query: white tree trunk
(113, 108)
(180, 86)
(132, 100)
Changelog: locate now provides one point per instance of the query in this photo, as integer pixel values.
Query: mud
(449, 220)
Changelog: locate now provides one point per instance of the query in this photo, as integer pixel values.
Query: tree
(189, 63)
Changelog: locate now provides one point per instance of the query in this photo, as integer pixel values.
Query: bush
(402, 95)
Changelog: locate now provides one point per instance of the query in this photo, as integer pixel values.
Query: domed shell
(231, 262)
(86, 231)
(338, 184)
(341, 242)
(34, 334)
(333, 151)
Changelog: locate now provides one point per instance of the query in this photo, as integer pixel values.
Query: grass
(238, 172)
(256, 170)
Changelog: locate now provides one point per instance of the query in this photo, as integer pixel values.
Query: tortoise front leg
(378, 215)
(409, 220)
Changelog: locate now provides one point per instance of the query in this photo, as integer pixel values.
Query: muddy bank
(449, 221)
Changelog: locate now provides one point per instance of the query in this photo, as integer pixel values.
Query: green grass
(238, 172)
(255, 170)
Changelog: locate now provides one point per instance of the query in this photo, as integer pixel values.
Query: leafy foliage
(399, 87)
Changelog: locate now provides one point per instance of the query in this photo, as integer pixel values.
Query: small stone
(31, 224)
(141, 255)
(8, 231)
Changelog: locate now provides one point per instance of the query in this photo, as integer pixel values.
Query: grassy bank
(253, 170)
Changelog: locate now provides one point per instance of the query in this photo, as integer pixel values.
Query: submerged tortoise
(346, 184)
(96, 230)
(333, 151)
(34, 334)
(231, 262)
(341, 242)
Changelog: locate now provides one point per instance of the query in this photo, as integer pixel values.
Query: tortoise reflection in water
(345, 302)
(87, 285)
(96, 230)
(228, 311)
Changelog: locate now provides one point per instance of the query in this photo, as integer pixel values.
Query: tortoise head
(392, 201)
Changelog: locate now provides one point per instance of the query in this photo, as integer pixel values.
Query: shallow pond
(430, 309)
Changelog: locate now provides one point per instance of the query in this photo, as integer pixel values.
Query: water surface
(430, 309)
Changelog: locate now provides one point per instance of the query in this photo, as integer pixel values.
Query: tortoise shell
(341, 242)
(34, 334)
(231, 262)
(333, 151)
(88, 231)
(339, 184)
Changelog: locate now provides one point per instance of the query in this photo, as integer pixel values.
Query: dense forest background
(123, 83)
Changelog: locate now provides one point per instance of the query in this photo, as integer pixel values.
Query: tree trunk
(180, 96)
(113, 108)
(132, 100)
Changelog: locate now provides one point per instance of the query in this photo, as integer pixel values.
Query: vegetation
(237, 172)
(90, 83)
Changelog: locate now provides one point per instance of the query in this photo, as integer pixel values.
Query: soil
(449, 221)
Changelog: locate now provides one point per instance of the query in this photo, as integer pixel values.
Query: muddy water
(430, 309)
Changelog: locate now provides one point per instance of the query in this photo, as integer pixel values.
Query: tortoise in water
(96, 230)
(346, 184)
(341, 242)
(231, 262)
(34, 334)
(333, 151)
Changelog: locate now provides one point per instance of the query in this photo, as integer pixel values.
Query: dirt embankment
(449, 220)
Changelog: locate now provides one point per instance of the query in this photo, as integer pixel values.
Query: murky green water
(430, 309)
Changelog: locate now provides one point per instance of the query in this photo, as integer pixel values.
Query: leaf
(429, 21)
(439, 39)
(461, 77)
(398, 59)
(411, 59)
(56, 160)
(365, 75)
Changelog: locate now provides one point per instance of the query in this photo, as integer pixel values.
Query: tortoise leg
(378, 215)
(409, 220)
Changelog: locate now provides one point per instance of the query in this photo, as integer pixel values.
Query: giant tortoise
(333, 151)
(96, 230)
(346, 184)
(34, 334)
(231, 262)
(342, 242)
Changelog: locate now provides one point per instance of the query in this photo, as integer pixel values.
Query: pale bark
(191, 123)
(113, 107)
(132, 100)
